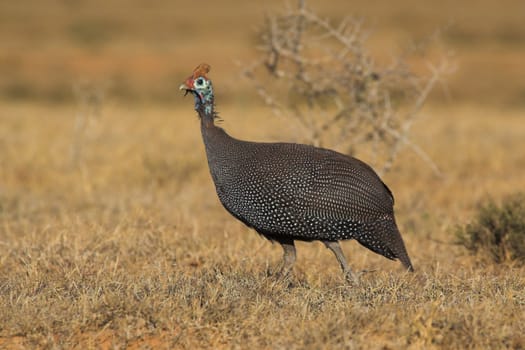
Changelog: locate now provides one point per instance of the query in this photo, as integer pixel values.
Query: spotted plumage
(289, 191)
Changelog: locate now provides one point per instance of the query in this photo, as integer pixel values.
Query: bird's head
(199, 85)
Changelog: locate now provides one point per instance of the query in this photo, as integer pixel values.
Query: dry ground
(123, 244)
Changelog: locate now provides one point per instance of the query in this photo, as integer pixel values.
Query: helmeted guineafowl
(288, 191)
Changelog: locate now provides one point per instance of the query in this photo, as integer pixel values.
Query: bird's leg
(338, 252)
(288, 256)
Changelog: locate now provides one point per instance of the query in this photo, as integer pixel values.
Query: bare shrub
(497, 230)
(321, 76)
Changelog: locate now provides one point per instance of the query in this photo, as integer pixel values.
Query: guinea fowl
(289, 191)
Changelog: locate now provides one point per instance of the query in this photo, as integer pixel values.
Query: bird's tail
(383, 237)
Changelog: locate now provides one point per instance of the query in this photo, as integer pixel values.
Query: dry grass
(132, 249)
(126, 246)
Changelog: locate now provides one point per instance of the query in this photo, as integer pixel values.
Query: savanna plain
(111, 235)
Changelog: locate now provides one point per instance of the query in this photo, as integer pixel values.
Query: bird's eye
(199, 82)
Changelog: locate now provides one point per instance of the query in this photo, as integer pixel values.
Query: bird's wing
(347, 189)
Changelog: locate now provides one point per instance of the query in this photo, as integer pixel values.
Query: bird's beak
(187, 86)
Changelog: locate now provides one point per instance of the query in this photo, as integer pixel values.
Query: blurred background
(140, 51)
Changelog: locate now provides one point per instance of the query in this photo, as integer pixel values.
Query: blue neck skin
(204, 104)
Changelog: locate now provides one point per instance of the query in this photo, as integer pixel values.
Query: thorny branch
(321, 75)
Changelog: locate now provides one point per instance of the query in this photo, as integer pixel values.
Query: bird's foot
(284, 277)
(285, 273)
(351, 277)
(354, 277)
